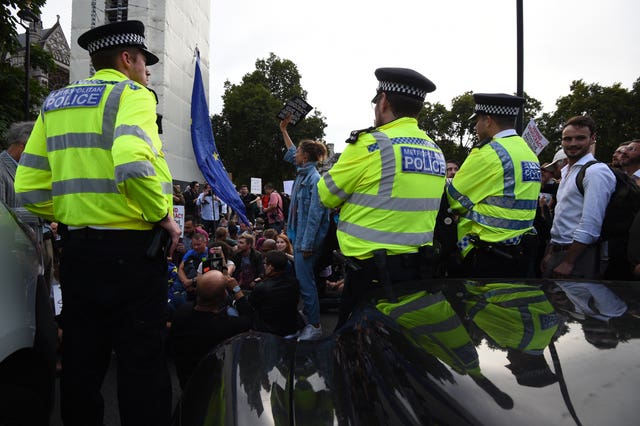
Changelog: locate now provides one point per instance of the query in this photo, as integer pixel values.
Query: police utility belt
(507, 249)
(157, 241)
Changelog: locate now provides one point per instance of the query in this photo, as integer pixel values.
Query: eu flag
(204, 148)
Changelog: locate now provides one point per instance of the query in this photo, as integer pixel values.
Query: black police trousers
(114, 298)
(403, 267)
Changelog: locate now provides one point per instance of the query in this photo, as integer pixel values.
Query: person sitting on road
(275, 298)
(248, 262)
(267, 246)
(197, 329)
(187, 271)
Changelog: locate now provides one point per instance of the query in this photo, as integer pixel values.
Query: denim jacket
(308, 226)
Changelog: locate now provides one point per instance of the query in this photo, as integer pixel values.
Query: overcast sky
(460, 45)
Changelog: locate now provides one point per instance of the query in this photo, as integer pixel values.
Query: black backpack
(286, 201)
(623, 206)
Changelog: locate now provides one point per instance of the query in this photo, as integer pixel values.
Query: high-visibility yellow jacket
(434, 326)
(94, 157)
(496, 191)
(389, 185)
(515, 316)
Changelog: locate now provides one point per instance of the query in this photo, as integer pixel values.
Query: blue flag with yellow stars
(204, 148)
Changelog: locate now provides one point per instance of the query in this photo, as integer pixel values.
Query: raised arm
(283, 128)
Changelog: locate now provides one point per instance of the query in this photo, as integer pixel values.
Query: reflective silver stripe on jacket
(84, 185)
(414, 305)
(132, 130)
(388, 164)
(395, 203)
(135, 169)
(509, 290)
(528, 327)
(111, 111)
(459, 197)
(34, 197)
(511, 203)
(333, 188)
(498, 222)
(522, 301)
(448, 324)
(92, 139)
(399, 238)
(35, 161)
(167, 187)
(77, 140)
(508, 171)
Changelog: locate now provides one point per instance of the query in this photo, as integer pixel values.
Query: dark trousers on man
(495, 260)
(587, 265)
(210, 226)
(402, 267)
(114, 298)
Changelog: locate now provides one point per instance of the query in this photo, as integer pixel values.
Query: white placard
(178, 215)
(288, 186)
(256, 186)
(534, 138)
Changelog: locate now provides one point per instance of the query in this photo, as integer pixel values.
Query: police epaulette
(482, 143)
(356, 133)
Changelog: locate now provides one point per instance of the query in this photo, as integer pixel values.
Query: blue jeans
(308, 289)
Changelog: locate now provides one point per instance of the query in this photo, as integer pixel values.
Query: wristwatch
(194, 280)
(237, 289)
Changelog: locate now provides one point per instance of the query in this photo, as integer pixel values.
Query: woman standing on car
(307, 225)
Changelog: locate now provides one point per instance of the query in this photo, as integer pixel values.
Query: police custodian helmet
(497, 104)
(117, 34)
(403, 81)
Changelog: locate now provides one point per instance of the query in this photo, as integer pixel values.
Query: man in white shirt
(209, 209)
(578, 218)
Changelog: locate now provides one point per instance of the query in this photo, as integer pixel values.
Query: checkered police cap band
(391, 86)
(128, 39)
(497, 109)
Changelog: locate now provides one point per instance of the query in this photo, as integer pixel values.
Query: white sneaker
(309, 332)
(292, 336)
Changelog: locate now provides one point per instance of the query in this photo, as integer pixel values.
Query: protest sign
(256, 186)
(298, 108)
(536, 140)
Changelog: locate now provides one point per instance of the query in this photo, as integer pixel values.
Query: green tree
(12, 79)
(9, 23)
(247, 131)
(616, 111)
(437, 121)
(12, 89)
(453, 131)
(463, 129)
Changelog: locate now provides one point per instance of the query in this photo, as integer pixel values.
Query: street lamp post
(27, 15)
(520, 66)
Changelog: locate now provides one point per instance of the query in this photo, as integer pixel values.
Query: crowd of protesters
(392, 204)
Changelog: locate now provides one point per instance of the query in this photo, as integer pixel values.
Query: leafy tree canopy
(615, 110)
(12, 79)
(9, 23)
(249, 140)
(247, 131)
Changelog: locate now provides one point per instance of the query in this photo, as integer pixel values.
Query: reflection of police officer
(434, 326)
(495, 193)
(94, 162)
(388, 183)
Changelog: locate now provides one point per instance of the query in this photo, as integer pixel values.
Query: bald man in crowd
(197, 329)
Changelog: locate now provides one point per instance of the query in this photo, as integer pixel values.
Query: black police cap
(117, 34)
(497, 104)
(403, 81)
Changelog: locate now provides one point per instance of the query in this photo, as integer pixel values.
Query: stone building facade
(174, 28)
